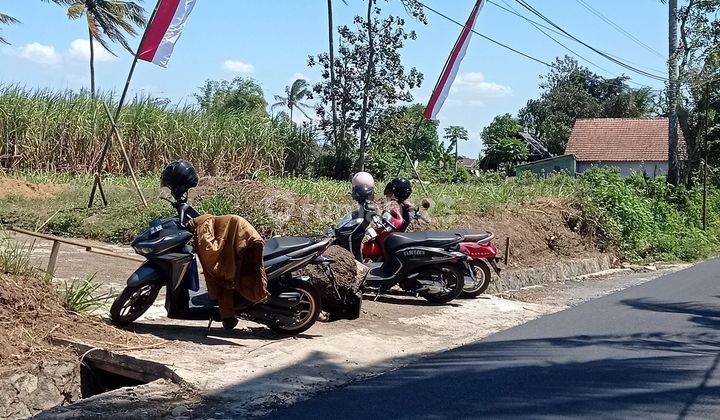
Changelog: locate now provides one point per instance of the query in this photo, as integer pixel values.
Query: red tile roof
(620, 140)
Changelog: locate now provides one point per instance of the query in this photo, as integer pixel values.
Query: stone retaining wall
(518, 278)
(26, 392)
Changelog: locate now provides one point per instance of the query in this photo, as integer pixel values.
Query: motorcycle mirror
(425, 203)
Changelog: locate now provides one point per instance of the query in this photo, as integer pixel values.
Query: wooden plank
(53, 258)
(112, 254)
(59, 239)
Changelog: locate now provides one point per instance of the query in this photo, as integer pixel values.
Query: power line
(621, 63)
(619, 28)
(540, 26)
(511, 10)
(528, 56)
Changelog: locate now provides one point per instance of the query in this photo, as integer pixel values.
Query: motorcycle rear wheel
(310, 306)
(482, 279)
(455, 281)
(132, 303)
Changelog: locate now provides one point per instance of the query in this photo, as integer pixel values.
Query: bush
(649, 218)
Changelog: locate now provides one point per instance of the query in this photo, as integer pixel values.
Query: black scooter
(422, 263)
(292, 307)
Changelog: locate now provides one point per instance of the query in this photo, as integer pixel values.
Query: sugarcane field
(359, 209)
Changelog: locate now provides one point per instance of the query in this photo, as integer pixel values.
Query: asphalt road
(651, 351)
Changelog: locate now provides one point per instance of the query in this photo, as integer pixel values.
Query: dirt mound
(268, 208)
(343, 303)
(31, 314)
(12, 187)
(541, 231)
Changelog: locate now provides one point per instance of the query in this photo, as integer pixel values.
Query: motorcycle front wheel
(481, 270)
(132, 303)
(308, 309)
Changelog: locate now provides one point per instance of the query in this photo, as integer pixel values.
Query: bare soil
(541, 231)
(15, 188)
(31, 314)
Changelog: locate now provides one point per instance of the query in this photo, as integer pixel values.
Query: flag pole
(108, 141)
(445, 80)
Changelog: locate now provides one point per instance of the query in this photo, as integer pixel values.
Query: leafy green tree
(107, 21)
(453, 135)
(293, 98)
(571, 91)
(502, 147)
(391, 131)
(699, 76)
(6, 20)
(239, 95)
(357, 100)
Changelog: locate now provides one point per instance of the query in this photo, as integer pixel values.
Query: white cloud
(238, 67)
(39, 53)
(472, 89)
(80, 50)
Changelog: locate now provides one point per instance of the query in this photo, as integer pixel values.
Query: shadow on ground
(217, 335)
(632, 375)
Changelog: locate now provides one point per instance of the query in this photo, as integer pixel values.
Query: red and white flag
(165, 30)
(437, 99)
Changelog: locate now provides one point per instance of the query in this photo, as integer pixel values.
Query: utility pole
(673, 176)
(705, 156)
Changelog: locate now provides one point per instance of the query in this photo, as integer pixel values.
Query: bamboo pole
(108, 141)
(125, 155)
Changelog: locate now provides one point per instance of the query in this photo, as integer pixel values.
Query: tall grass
(43, 130)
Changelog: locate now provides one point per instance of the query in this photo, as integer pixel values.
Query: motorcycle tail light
(479, 251)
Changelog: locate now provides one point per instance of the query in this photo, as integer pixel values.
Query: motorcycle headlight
(143, 251)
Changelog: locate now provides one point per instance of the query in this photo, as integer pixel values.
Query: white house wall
(651, 169)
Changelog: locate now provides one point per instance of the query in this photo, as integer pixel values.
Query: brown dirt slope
(261, 202)
(12, 187)
(31, 313)
(541, 232)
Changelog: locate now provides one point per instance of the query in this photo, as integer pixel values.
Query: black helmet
(179, 176)
(400, 188)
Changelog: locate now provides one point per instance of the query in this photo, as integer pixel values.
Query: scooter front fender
(145, 274)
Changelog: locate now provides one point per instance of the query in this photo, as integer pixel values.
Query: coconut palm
(293, 96)
(108, 21)
(6, 20)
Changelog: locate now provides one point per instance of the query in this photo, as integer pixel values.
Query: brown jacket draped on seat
(231, 254)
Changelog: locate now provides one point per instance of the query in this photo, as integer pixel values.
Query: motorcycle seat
(275, 247)
(474, 236)
(398, 240)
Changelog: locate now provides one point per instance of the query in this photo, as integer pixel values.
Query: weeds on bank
(82, 296)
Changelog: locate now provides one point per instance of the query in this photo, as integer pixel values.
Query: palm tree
(113, 19)
(453, 134)
(293, 96)
(6, 20)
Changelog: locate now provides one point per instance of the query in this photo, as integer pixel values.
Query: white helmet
(363, 187)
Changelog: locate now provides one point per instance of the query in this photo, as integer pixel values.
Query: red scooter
(479, 247)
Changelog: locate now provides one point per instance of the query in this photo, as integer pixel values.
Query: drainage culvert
(27, 392)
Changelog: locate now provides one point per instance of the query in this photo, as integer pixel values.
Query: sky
(270, 41)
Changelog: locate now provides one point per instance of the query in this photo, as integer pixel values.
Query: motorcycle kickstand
(377, 295)
(207, 330)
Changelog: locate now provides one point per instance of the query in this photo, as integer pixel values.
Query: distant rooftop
(620, 140)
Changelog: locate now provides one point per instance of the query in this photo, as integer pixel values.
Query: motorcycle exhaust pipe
(429, 286)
